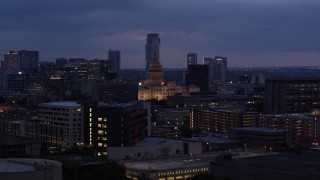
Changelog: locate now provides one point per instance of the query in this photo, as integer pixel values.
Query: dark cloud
(238, 28)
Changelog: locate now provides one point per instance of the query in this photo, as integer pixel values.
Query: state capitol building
(155, 87)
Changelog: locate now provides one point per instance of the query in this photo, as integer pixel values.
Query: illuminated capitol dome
(155, 87)
(154, 72)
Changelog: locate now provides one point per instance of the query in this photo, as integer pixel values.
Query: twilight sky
(248, 32)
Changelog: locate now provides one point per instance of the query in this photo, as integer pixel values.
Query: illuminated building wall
(161, 92)
(221, 120)
(68, 116)
(292, 95)
(304, 128)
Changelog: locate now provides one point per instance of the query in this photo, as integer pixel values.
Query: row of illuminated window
(194, 170)
(102, 153)
(102, 144)
(102, 119)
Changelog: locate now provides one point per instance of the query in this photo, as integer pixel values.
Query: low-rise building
(153, 147)
(14, 146)
(169, 168)
(275, 167)
(304, 127)
(25, 168)
(220, 120)
(261, 137)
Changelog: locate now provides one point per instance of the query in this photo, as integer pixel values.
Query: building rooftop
(293, 78)
(258, 129)
(62, 103)
(306, 164)
(211, 139)
(171, 163)
(292, 116)
(117, 104)
(152, 141)
(25, 164)
(178, 162)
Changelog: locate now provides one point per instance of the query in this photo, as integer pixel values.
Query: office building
(217, 70)
(114, 125)
(80, 69)
(114, 61)
(198, 75)
(221, 121)
(152, 47)
(110, 91)
(29, 61)
(51, 134)
(10, 64)
(261, 138)
(304, 128)
(14, 146)
(292, 95)
(170, 122)
(192, 58)
(14, 81)
(68, 116)
(11, 61)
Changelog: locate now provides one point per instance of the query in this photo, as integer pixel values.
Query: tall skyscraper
(152, 47)
(220, 72)
(11, 61)
(217, 70)
(192, 58)
(29, 60)
(114, 61)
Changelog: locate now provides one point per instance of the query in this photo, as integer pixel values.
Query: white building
(68, 115)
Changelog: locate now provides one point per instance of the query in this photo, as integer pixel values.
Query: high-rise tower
(217, 70)
(29, 60)
(152, 47)
(11, 61)
(192, 58)
(114, 61)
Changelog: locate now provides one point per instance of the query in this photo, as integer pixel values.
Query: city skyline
(247, 32)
